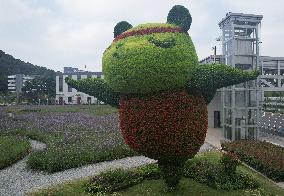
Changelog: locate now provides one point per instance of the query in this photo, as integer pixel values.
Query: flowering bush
(211, 172)
(263, 156)
(229, 162)
(178, 131)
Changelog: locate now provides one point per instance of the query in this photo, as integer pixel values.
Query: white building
(17, 82)
(68, 95)
(272, 80)
(237, 108)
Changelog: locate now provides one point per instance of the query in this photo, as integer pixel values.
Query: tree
(3, 83)
(39, 88)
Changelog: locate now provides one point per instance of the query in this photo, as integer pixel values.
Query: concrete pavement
(214, 136)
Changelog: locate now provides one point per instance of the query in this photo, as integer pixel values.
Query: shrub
(218, 177)
(229, 162)
(113, 181)
(119, 179)
(263, 156)
(58, 159)
(12, 150)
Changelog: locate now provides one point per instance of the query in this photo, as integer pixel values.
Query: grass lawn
(187, 186)
(12, 149)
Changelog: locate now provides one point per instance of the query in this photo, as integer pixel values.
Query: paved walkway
(214, 136)
(274, 139)
(17, 180)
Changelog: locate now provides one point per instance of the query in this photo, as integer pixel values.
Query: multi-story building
(68, 95)
(272, 80)
(237, 108)
(17, 82)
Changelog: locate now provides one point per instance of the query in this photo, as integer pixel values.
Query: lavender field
(75, 135)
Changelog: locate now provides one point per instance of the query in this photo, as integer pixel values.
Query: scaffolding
(241, 103)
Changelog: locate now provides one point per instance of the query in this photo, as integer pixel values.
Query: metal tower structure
(241, 103)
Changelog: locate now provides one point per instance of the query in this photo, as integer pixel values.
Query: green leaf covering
(150, 63)
(208, 78)
(180, 16)
(121, 27)
(95, 87)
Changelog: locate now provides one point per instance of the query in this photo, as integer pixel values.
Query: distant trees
(40, 88)
(7, 98)
(11, 66)
(3, 83)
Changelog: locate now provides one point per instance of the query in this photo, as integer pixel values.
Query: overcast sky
(58, 33)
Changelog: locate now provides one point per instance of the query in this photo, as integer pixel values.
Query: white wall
(74, 94)
(215, 105)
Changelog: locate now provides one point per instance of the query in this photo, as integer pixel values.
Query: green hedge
(216, 175)
(263, 156)
(59, 159)
(115, 180)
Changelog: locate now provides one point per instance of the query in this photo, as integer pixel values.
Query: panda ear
(179, 15)
(121, 27)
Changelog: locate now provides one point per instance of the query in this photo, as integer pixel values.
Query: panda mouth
(166, 43)
(149, 31)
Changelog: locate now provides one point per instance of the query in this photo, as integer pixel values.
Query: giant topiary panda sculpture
(151, 73)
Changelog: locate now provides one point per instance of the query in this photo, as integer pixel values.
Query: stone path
(16, 180)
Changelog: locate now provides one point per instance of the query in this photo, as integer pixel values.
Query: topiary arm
(208, 78)
(95, 87)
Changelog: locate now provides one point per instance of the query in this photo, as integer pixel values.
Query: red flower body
(172, 124)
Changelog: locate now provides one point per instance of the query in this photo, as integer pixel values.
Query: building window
(78, 77)
(89, 99)
(69, 87)
(70, 100)
(89, 76)
(60, 83)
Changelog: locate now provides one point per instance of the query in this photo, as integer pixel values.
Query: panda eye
(166, 43)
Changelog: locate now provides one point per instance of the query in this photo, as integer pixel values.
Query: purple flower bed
(73, 138)
(54, 122)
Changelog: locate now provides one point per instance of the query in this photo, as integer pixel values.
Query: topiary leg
(172, 171)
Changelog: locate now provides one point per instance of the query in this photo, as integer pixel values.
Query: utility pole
(215, 53)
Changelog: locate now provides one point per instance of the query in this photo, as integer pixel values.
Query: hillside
(10, 66)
